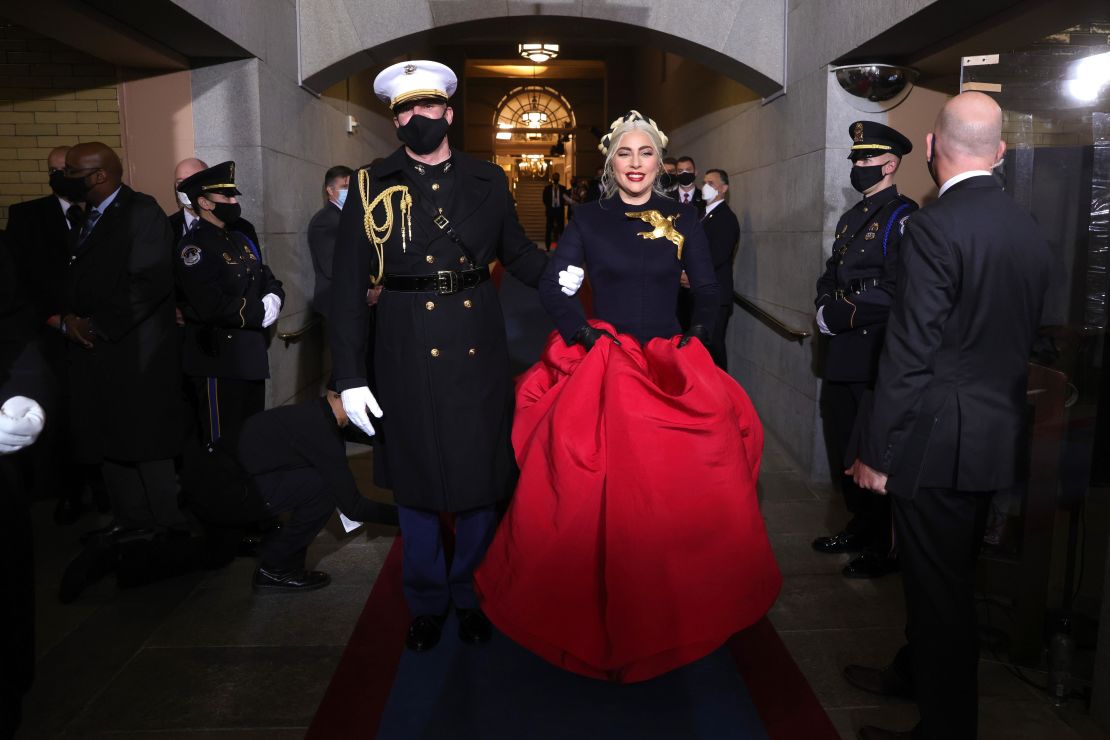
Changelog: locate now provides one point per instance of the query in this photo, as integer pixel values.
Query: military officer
(425, 223)
(231, 298)
(853, 300)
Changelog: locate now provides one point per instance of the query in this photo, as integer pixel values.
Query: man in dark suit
(125, 368)
(723, 232)
(686, 175)
(948, 418)
(556, 198)
(25, 380)
(39, 233)
(321, 233)
(853, 302)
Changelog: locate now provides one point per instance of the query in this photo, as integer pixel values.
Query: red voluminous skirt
(634, 543)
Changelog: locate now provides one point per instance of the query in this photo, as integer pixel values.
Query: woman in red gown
(634, 543)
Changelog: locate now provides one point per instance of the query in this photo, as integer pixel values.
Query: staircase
(529, 208)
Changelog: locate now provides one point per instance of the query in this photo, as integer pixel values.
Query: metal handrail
(784, 330)
(289, 336)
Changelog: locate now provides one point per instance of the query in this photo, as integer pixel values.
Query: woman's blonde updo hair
(631, 121)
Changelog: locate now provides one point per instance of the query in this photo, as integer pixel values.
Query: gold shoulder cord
(379, 234)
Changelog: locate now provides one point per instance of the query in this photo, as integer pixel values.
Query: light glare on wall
(1089, 77)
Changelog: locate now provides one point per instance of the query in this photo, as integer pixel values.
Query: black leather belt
(859, 285)
(444, 282)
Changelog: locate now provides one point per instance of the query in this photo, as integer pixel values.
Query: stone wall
(786, 162)
(283, 138)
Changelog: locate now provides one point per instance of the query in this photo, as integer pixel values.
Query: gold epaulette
(379, 234)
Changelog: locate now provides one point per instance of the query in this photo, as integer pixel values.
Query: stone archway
(744, 39)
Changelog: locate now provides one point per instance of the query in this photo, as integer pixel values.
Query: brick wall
(50, 95)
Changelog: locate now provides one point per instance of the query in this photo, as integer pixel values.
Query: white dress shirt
(960, 178)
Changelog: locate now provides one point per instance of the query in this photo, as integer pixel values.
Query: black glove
(697, 330)
(587, 336)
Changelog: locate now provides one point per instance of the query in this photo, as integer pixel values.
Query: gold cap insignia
(857, 132)
(410, 68)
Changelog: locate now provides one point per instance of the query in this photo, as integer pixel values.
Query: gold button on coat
(435, 186)
(429, 259)
(472, 351)
(435, 352)
(462, 260)
(429, 305)
(468, 303)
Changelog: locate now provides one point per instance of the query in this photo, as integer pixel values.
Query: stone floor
(201, 656)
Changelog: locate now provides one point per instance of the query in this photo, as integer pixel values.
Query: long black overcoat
(441, 361)
(126, 390)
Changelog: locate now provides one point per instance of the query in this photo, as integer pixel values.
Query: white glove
(571, 279)
(821, 323)
(21, 422)
(272, 305)
(355, 403)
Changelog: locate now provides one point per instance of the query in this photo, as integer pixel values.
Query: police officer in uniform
(425, 223)
(232, 297)
(853, 300)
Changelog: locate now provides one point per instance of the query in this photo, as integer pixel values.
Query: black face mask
(422, 134)
(666, 180)
(227, 212)
(686, 179)
(73, 189)
(865, 178)
(929, 162)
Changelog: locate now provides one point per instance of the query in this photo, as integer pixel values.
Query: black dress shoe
(870, 564)
(424, 633)
(68, 510)
(841, 542)
(474, 627)
(881, 681)
(869, 732)
(292, 579)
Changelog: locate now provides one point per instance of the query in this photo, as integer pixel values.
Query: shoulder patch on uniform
(190, 255)
(902, 224)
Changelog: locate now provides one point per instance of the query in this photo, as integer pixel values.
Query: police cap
(870, 139)
(219, 178)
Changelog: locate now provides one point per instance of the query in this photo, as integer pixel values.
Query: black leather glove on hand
(697, 330)
(587, 336)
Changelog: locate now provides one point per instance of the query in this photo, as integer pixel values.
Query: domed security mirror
(874, 88)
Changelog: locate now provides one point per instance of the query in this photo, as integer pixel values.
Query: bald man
(125, 367)
(947, 426)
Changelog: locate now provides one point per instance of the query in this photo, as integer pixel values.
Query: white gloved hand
(821, 323)
(272, 305)
(571, 279)
(355, 403)
(21, 422)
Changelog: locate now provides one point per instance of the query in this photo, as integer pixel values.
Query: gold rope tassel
(379, 234)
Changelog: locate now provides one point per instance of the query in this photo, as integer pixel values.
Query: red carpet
(355, 701)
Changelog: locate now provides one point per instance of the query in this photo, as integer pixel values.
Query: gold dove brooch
(662, 227)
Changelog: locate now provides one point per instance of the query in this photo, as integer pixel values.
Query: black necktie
(90, 222)
(76, 218)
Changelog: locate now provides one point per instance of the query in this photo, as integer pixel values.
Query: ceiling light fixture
(538, 53)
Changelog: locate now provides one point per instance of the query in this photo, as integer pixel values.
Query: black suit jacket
(950, 397)
(547, 194)
(38, 235)
(722, 229)
(696, 199)
(322, 230)
(126, 390)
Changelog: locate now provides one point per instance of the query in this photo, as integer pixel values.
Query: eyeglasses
(72, 171)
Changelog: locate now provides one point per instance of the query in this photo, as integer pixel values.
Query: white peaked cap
(419, 78)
